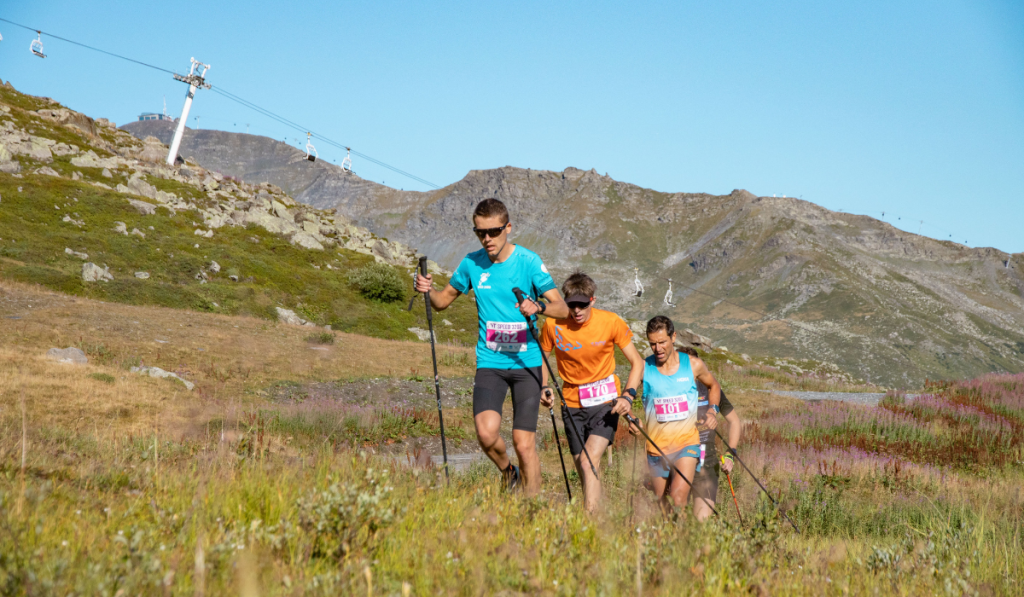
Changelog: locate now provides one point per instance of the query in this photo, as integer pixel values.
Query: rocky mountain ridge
(766, 275)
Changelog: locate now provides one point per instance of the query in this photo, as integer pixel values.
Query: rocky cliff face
(767, 275)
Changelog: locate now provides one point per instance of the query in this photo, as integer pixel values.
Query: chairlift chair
(36, 47)
(346, 164)
(311, 153)
(668, 295)
(636, 281)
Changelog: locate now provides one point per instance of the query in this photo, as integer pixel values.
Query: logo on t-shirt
(483, 280)
(563, 344)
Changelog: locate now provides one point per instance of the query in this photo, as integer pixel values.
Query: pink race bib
(671, 408)
(503, 336)
(598, 392)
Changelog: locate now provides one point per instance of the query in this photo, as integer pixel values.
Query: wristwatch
(631, 392)
(542, 305)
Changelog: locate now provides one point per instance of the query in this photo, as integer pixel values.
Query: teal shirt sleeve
(461, 279)
(541, 279)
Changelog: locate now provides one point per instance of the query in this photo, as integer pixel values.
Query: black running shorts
(705, 483)
(491, 386)
(596, 420)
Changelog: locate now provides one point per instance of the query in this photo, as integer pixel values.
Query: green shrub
(379, 282)
(104, 377)
(321, 338)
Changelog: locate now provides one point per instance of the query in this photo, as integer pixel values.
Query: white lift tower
(195, 81)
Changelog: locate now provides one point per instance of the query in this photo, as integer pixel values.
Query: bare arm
(636, 376)
(701, 373)
(556, 306)
(735, 426)
(439, 299)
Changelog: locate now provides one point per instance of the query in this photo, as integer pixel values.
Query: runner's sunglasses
(483, 233)
(578, 306)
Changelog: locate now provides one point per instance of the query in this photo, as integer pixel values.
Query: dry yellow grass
(228, 358)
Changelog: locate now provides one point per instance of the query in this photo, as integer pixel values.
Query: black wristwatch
(542, 305)
(631, 392)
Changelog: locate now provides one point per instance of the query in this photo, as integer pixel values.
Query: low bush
(104, 377)
(321, 338)
(379, 282)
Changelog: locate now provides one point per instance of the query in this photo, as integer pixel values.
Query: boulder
(214, 267)
(70, 355)
(121, 228)
(7, 162)
(89, 159)
(288, 316)
(158, 372)
(36, 149)
(204, 233)
(82, 256)
(140, 187)
(689, 338)
(94, 273)
(306, 241)
(282, 212)
(422, 334)
(48, 171)
(142, 275)
(152, 150)
(146, 209)
(68, 118)
(137, 232)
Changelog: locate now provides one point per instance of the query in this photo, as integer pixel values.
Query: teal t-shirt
(505, 342)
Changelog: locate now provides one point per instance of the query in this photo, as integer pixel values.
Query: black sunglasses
(483, 233)
(580, 306)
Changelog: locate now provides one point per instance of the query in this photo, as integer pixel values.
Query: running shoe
(511, 477)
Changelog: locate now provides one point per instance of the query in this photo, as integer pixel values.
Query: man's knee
(487, 434)
(524, 442)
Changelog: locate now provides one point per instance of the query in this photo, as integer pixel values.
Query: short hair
(660, 323)
(491, 208)
(579, 283)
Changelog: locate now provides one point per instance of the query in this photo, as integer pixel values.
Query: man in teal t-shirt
(507, 357)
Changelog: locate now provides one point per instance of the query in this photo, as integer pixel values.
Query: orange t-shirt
(586, 355)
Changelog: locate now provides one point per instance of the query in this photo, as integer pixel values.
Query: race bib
(503, 336)
(598, 392)
(671, 408)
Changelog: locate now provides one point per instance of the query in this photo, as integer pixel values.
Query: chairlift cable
(240, 100)
(87, 46)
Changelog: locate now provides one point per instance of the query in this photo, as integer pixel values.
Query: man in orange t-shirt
(584, 345)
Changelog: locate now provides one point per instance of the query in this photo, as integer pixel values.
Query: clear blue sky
(914, 108)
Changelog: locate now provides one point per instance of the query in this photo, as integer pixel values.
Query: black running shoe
(511, 477)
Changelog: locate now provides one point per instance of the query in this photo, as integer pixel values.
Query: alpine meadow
(239, 369)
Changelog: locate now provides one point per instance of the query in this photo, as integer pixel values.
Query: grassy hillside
(270, 271)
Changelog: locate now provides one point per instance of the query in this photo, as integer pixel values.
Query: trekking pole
(632, 484)
(558, 442)
(664, 457)
(733, 491)
(437, 381)
(756, 480)
(551, 376)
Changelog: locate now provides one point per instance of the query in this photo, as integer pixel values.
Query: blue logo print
(563, 344)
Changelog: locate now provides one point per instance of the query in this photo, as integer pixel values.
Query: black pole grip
(519, 294)
(423, 266)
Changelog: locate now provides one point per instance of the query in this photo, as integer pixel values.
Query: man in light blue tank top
(507, 356)
(670, 408)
